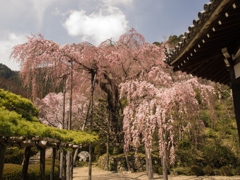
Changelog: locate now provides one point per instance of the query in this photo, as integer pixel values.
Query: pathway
(81, 173)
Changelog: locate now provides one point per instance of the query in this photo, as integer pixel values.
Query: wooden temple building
(210, 48)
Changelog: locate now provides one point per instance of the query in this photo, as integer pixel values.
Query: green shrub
(160, 171)
(238, 170)
(48, 162)
(184, 144)
(208, 170)
(197, 170)
(12, 172)
(216, 172)
(226, 171)
(218, 156)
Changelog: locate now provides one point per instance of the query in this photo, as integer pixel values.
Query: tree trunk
(91, 121)
(42, 163)
(164, 168)
(53, 164)
(108, 128)
(26, 162)
(2, 159)
(63, 118)
(69, 124)
(90, 101)
(127, 160)
(149, 163)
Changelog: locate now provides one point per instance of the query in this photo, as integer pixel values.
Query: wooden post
(53, 164)
(71, 167)
(64, 165)
(61, 166)
(2, 159)
(75, 156)
(26, 162)
(68, 166)
(42, 163)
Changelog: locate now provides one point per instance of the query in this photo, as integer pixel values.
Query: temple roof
(201, 51)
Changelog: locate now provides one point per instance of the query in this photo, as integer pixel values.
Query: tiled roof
(216, 27)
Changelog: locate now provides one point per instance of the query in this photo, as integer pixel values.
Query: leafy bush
(218, 156)
(238, 170)
(226, 171)
(208, 170)
(197, 170)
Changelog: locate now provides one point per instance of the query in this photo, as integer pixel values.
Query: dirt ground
(81, 173)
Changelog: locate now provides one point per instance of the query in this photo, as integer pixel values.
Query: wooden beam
(42, 163)
(53, 164)
(26, 162)
(2, 159)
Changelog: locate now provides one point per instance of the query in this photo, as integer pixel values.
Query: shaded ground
(81, 173)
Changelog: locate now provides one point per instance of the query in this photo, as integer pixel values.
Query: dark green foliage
(160, 171)
(173, 40)
(218, 156)
(48, 161)
(208, 170)
(12, 172)
(205, 117)
(238, 170)
(155, 168)
(6, 72)
(100, 149)
(184, 144)
(226, 171)
(197, 170)
(158, 44)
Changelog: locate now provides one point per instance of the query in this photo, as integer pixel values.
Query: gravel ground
(81, 173)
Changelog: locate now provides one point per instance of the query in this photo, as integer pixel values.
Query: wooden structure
(210, 48)
(42, 143)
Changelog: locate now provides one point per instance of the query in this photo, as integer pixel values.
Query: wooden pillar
(26, 162)
(2, 159)
(235, 85)
(71, 167)
(61, 166)
(53, 164)
(149, 163)
(42, 163)
(64, 166)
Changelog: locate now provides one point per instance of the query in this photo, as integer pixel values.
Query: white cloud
(97, 27)
(11, 40)
(118, 2)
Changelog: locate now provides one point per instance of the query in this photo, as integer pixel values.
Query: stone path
(81, 173)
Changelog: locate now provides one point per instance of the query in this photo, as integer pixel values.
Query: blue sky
(74, 21)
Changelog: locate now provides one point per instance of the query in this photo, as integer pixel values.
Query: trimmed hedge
(14, 172)
(197, 170)
(238, 170)
(208, 170)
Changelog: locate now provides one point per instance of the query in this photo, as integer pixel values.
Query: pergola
(210, 48)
